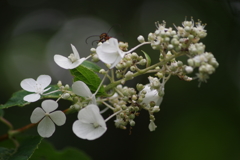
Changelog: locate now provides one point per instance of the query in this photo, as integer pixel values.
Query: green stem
(143, 71)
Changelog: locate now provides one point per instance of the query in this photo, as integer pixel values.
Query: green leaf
(147, 58)
(27, 148)
(46, 151)
(91, 79)
(17, 97)
(91, 66)
(5, 153)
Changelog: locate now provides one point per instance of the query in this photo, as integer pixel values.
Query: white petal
(87, 131)
(28, 84)
(96, 133)
(152, 126)
(75, 52)
(58, 117)
(88, 114)
(44, 80)
(77, 63)
(151, 96)
(31, 97)
(46, 127)
(116, 62)
(107, 54)
(65, 63)
(82, 129)
(81, 89)
(49, 105)
(37, 115)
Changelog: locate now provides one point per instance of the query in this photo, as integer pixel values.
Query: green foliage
(86, 73)
(17, 98)
(46, 151)
(148, 59)
(25, 150)
(91, 66)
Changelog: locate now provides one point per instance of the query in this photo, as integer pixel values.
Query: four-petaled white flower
(90, 124)
(151, 95)
(70, 62)
(110, 53)
(81, 89)
(48, 117)
(37, 87)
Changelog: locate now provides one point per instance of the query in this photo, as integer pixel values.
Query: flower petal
(63, 62)
(116, 62)
(28, 84)
(46, 127)
(49, 105)
(89, 114)
(81, 89)
(152, 126)
(107, 54)
(75, 52)
(32, 97)
(82, 129)
(87, 131)
(58, 117)
(37, 115)
(44, 80)
(96, 133)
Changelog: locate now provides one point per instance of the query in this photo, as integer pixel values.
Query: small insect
(102, 38)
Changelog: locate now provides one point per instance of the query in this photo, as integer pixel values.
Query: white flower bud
(188, 69)
(190, 62)
(156, 109)
(129, 75)
(59, 84)
(93, 50)
(102, 71)
(141, 39)
(65, 95)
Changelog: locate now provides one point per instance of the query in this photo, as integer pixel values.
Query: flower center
(95, 125)
(72, 58)
(39, 88)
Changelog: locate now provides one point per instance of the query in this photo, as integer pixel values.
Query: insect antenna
(90, 37)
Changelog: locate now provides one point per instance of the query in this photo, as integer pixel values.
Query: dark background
(193, 124)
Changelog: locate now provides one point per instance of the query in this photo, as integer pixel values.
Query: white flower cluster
(124, 65)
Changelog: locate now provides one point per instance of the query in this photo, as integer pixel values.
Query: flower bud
(129, 75)
(102, 71)
(188, 69)
(93, 50)
(152, 126)
(65, 95)
(141, 39)
(132, 123)
(59, 84)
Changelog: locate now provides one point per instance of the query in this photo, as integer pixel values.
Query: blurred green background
(193, 124)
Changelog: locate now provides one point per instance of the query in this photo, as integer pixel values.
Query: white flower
(81, 89)
(152, 126)
(46, 127)
(151, 95)
(110, 53)
(37, 87)
(70, 62)
(90, 124)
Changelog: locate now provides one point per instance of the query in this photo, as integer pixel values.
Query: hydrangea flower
(38, 87)
(90, 124)
(48, 117)
(151, 95)
(81, 89)
(70, 62)
(110, 53)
